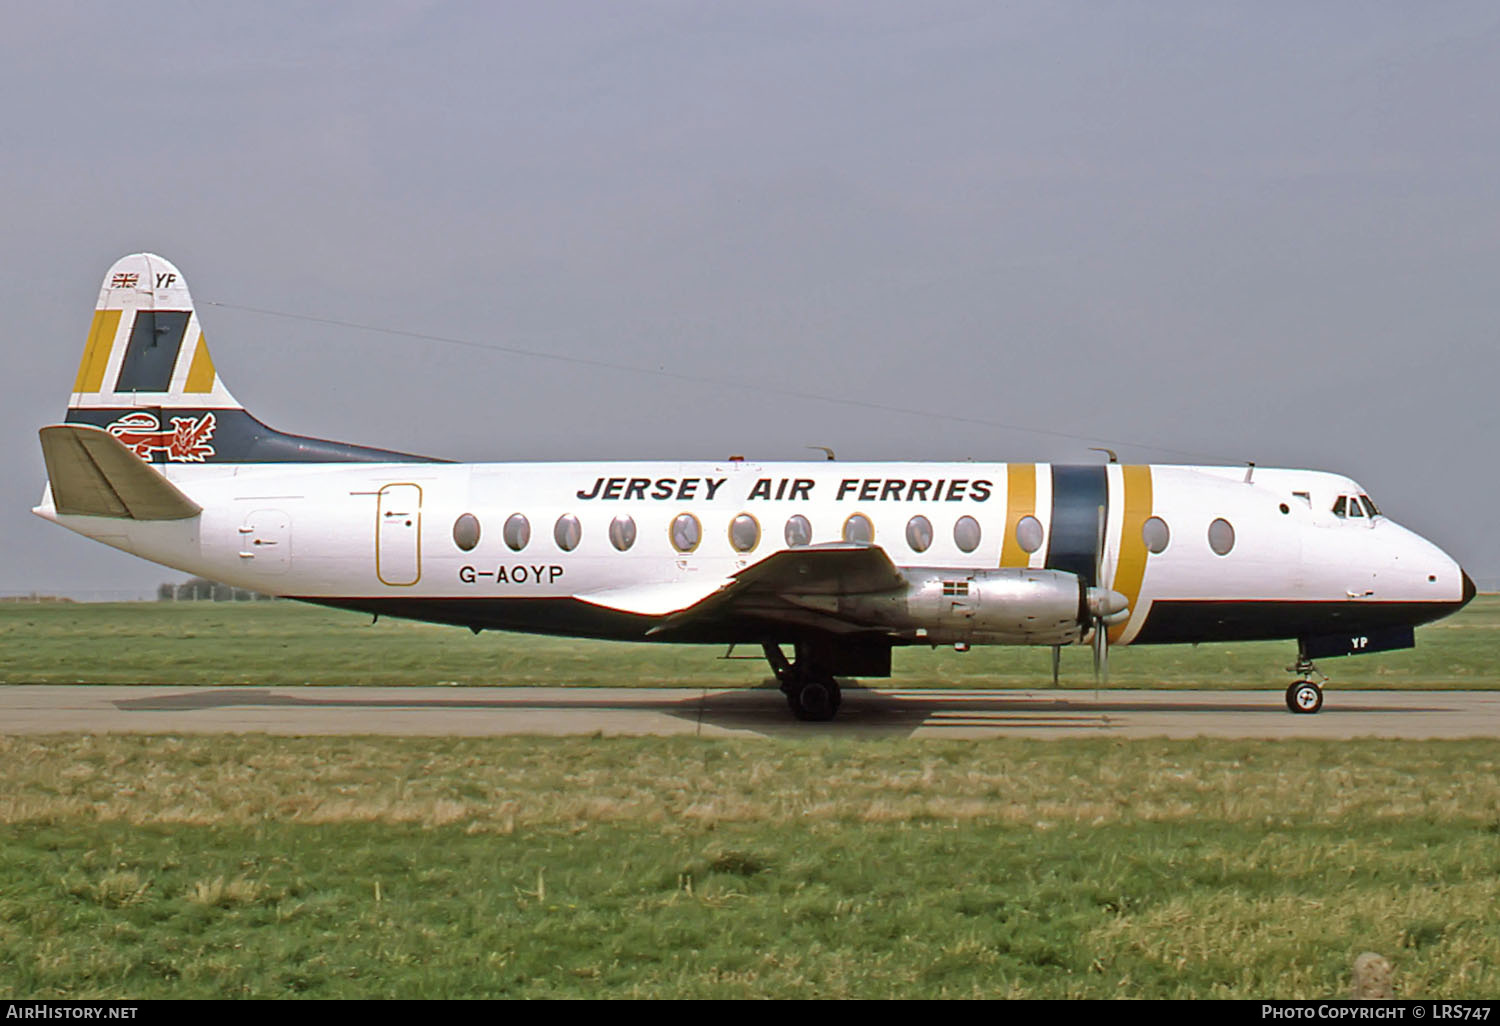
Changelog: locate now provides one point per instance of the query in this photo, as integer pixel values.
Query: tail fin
(145, 345)
(146, 378)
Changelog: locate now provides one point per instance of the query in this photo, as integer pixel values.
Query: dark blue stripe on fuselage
(240, 438)
(1073, 542)
(1182, 621)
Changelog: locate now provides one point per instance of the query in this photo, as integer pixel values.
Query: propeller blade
(1106, 603)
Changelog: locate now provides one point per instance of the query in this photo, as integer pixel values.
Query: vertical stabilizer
(145, 346)
(147, 379)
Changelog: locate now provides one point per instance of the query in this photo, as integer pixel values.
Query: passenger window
(919, 534)
(686, 533)
(859, 529)
(567, 532)
(622, 532)
(1029, 533)
(517, 532)
(1155, 534)
(744, 533)
(798, 531)
(466, 531)
(966, 534)
(1221, 536)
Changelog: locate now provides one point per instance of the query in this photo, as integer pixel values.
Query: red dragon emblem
(187, 442)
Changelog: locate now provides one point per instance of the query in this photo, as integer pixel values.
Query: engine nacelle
(998, 607)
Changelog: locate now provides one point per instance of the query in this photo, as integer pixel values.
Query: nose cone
(1469, 589)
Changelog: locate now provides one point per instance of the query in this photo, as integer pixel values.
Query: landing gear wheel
(811, 691)
(815, 700)
(1304, 697)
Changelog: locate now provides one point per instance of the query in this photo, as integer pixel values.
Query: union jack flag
(124, 281)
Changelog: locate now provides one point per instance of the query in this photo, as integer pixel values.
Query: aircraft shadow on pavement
(902, 711)
(764, 710)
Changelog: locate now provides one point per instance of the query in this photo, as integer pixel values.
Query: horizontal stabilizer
(93, 474)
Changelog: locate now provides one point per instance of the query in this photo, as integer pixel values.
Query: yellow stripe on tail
(96, 353)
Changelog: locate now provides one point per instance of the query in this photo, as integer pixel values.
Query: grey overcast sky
(1262, 232)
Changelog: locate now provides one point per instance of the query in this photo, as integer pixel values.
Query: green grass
(291, 643)
(529, 867)
(137, 867)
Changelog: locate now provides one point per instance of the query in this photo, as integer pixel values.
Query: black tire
(816, 701)
(1304, 697)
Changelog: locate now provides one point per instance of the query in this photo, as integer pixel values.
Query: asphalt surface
(439, 711)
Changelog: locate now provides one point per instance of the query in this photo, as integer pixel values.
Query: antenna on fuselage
(824, 450)
(1249, 470)
(1108, 452)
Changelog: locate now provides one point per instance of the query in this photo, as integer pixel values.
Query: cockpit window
(1355, 506)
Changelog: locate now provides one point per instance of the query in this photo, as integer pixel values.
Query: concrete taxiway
(441, 711)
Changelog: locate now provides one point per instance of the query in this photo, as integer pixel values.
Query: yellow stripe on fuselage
(96, 352)
(1020, 501)
(1130, 570)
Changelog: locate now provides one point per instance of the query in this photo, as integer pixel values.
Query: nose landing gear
(1304, 695)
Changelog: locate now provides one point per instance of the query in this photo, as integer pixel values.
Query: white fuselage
(382, 535)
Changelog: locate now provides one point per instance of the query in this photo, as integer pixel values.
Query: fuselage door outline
(398, 535)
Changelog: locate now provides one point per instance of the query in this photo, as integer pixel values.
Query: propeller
(1106, 608)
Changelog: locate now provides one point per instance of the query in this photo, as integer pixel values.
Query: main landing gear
(811, 691)
(1303, 695)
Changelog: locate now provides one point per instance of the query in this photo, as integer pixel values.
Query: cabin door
(398, 535)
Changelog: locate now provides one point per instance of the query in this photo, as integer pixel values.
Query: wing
(834, 568)
(796, 586)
